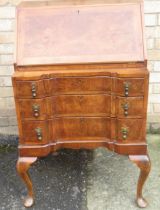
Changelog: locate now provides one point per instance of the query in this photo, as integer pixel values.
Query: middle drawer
(65, 105)
(81, 105)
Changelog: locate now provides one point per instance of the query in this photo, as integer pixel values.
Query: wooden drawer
(36, 132)
(130, 87)
(33, 109)
(82, 105)
(69, 85)
(130, 107)
(130, 130)
(29, 89)
(91, 128)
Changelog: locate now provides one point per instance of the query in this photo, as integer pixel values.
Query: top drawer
(29, 89)
(79, 85)
(130, 87)
(73, 85)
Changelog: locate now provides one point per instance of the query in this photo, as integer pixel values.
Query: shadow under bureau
(70, 95)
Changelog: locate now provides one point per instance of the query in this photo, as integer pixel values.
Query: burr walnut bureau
(81, 81)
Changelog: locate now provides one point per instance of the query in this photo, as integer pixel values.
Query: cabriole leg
(144, 164)
(23, 165)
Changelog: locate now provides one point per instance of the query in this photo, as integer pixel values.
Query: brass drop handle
(125, 108)
(36, 110)
(33, 89)
(124, 133)
(39, 133)
(126, 88)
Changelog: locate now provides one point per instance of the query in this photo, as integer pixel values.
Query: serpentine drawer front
(81, 81)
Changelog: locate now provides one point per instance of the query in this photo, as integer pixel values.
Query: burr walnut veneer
(81, 81)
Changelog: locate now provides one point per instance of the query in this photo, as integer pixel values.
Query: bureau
(81, 81)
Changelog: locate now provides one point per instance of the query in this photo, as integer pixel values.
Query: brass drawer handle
(126, 88)
(124, 133)
(125, 107)
(39, 133)
(33, 89)
(36, 110)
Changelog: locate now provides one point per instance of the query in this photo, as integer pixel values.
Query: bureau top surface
(70, 32)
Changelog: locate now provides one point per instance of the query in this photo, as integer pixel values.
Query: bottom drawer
(36, 132)
(83, 129)
(131, 130)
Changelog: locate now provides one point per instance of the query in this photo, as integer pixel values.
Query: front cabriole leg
(143, 162)
(23, 165)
